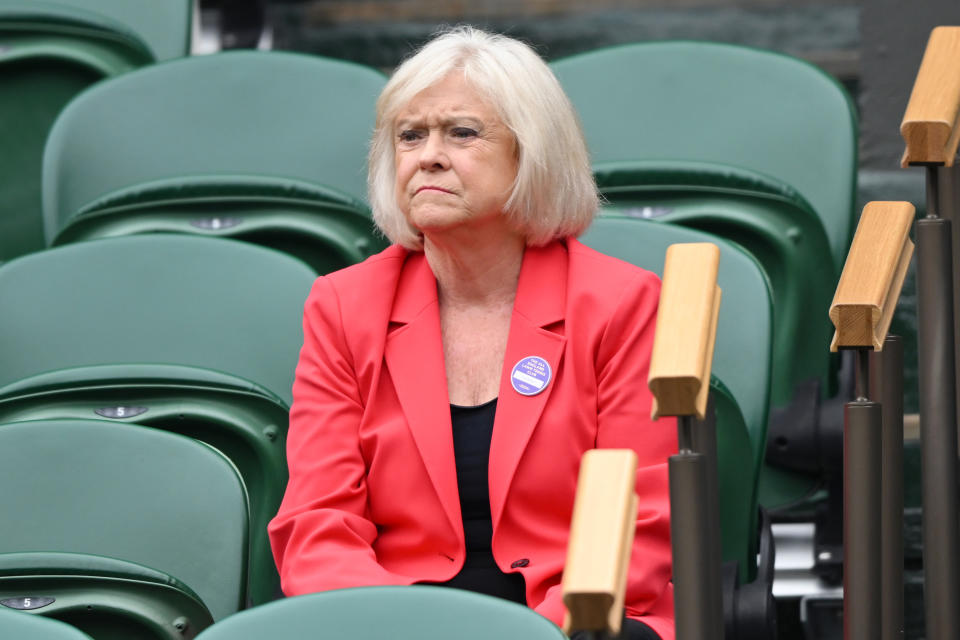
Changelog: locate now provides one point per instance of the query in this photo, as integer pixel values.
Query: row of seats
(269, 148)
(197, 336)
(52, 51)
(369, 613)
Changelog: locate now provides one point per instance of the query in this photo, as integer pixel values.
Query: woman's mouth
(433, 188)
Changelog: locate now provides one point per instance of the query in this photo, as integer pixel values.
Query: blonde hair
(554, 194)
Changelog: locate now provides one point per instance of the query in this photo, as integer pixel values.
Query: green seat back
(265, 146)
(792, 249)
(736, 483)
(741, 363)
(191, 335)
(159, 299)
(767, 218)
(109, 599)
(163, 27)
(400, 613)
(140, 495)
(723, 104)
(744, 329)
(50, 52)
(21, 625)
(244, 421)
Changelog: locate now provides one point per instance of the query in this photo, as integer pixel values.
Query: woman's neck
(475, 269)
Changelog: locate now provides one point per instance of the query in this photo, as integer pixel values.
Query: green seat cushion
(105, 597)
(401, 613)
(628, 178)
(79, 565)
(326, 228)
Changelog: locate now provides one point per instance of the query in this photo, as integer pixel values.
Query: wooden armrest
(686, 329)
(930, 125)
(601, 538)
(872, 276)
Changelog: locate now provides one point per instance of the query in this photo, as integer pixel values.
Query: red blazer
(372, 497)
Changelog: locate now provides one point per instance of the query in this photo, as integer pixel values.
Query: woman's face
(456, 161)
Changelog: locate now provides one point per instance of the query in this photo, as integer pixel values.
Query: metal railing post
(861, 512)
(938, 415)
(886, 378)
(693, 529)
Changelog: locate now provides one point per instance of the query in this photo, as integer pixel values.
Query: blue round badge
(530, 376)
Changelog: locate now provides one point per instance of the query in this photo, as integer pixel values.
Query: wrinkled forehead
(452, 97)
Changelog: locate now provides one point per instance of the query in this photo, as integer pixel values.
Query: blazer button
(516, 564)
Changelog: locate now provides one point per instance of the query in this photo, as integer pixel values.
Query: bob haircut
(554, 194)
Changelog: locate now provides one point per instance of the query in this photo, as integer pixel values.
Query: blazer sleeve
(623, 421)
(322, 534)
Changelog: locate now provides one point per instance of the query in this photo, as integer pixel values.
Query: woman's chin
(439, 220)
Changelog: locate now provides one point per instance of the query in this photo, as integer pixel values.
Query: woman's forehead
(452, 97)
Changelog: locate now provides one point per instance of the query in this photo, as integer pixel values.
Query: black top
(472, 432)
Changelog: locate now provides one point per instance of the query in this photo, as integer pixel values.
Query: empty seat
(741, 365)
(765, 218)
(754, 146)
(51, 52)
(109, 498)
(267, 147)
(193, 335)
(722, 104)
(163, 28)
(402, 613)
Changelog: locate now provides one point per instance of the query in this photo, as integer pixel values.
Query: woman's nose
(433, 153)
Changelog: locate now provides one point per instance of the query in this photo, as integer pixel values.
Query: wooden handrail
(872, 276)
(601, 539)
(686, 329)
(931, 124)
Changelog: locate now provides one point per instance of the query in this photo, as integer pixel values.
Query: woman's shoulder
(609, 298)
(377, 266)
(359, 288)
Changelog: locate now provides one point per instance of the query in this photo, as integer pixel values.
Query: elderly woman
(448, 386)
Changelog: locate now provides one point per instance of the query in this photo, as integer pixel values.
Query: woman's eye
(409, 135)
(463, 132)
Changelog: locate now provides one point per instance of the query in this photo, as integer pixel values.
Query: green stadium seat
(767, 220)
(106, 597)
(401, 613)
(173, 505)
(164, 28)
(22, 625)
(193, 335)
(727, 105)
(741, 364)
(747, 144)
(50, 52)
(267, 147)
(740, 388)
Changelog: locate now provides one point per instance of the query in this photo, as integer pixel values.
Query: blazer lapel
(540, 303)
(414, 357)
